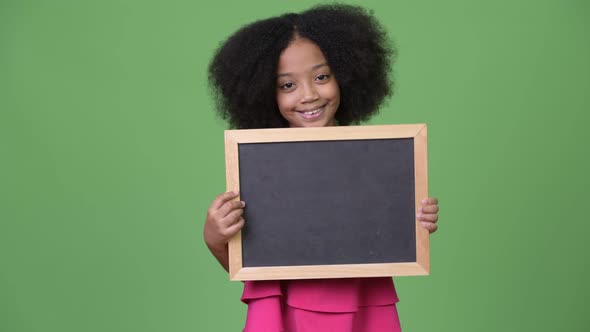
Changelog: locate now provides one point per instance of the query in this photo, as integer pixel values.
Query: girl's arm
(428, 214)
(224, 219)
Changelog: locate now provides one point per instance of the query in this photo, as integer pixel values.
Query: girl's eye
(322, 77)
(287, 86)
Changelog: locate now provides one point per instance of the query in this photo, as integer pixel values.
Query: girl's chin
(312, 124)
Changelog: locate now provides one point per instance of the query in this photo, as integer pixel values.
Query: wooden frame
(417, 132)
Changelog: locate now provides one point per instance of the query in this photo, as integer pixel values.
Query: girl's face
(307, 93)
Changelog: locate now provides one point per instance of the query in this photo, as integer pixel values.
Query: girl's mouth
(313, 113)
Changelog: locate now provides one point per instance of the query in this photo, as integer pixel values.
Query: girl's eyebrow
(314, 67)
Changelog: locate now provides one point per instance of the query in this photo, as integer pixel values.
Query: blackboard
(328, 202)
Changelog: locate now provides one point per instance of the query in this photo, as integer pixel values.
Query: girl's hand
(224, 220)
(428, 214)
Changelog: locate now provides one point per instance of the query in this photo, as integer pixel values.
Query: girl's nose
(309, 93)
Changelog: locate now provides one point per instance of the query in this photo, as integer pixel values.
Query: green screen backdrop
(110, 153)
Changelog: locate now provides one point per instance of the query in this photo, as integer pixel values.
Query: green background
(111, 153)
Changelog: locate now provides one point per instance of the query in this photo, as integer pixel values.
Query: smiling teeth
(312, 112)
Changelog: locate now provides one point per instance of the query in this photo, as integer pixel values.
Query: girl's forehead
(301, 55)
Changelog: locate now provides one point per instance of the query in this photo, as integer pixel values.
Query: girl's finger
(222, 198)
(432, 218)
(232, 218)
(233, 229)
(429, 209)
(229, 207)
(430, 201)
(431, 227)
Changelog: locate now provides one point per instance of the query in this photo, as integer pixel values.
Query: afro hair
(242, 73)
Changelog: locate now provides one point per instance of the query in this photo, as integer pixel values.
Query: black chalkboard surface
(328, 202)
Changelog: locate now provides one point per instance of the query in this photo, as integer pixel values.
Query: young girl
(326, 66)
